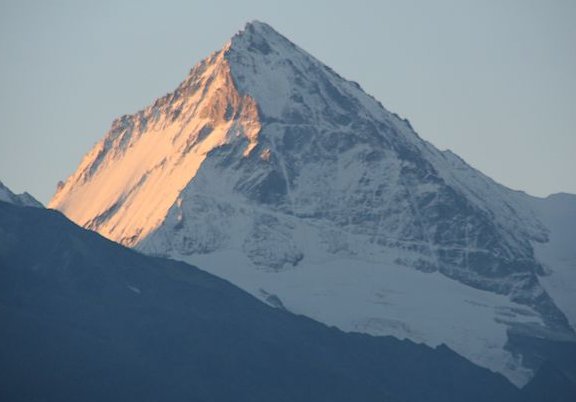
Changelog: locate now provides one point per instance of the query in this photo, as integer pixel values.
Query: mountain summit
(269, 169)
(23, 200)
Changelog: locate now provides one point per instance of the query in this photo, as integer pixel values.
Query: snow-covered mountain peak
(269, 169)
(260, 38)
(290, 84)
(257, 30)
(24, 199)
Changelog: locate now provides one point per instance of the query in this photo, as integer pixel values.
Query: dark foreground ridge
(84, 319)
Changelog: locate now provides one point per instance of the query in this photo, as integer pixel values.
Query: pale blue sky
(495, 81)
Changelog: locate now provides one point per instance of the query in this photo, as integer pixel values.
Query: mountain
(24, 199)
(270, 170)
(86, 319)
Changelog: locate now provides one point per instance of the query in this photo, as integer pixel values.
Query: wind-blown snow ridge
(267, 162)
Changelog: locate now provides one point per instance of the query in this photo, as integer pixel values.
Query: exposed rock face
(269, 169)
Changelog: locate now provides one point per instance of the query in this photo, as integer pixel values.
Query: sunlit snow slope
(269, 169)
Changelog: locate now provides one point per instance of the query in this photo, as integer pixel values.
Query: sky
(494, 81)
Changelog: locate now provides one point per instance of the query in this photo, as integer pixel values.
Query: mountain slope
(269, 169)
(86, 319)
(24, 199)
(558, 255)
